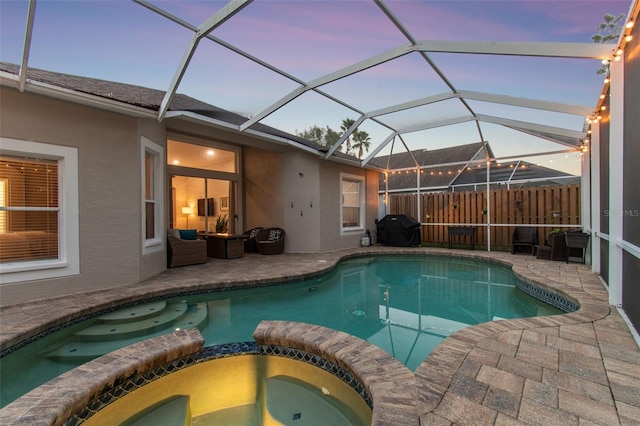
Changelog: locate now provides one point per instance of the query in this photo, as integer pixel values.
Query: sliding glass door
(203, 204)
(204, 183)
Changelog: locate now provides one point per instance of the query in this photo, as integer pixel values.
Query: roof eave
(212, 122)
(44, 89)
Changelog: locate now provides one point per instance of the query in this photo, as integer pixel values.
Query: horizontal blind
(29, 209)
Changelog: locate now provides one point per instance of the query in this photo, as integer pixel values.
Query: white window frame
(68, 261)
(156, 243)
(361, 220)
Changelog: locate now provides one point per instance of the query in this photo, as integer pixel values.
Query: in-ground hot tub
(240, 390)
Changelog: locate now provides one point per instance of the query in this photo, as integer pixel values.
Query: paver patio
(578, 368)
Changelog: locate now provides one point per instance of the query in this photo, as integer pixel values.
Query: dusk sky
(126, 42)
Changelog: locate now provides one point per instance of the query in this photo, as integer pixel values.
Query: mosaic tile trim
(211, 353)
(553, 299)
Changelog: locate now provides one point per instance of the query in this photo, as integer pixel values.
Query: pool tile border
(550, 297)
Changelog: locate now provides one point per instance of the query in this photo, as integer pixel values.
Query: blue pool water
(406, 305)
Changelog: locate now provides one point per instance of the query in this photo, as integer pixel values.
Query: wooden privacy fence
(554, 206)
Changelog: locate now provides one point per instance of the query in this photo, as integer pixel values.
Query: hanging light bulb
(628, 38)
(629, 24)
(605, 61)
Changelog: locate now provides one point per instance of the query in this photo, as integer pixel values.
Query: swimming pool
(404, 304)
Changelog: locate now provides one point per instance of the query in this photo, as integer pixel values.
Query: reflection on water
(405, 305)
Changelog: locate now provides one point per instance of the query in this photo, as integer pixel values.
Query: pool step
(292, 401)
(136, 312)
(86, 345)
(245, 415)
(108, 329)
(173, 411)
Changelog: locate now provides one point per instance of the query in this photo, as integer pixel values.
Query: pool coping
(437, 376)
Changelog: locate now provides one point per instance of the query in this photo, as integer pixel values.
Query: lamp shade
(187, 210)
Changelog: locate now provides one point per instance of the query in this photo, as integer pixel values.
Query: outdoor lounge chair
(182, 252)
(270, 241)
(555, 248)
(250, 243)
(566, 246)
(525, 238)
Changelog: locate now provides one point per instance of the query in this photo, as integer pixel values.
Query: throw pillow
(254, 232)
(173, 232)
(189, 234)
(274, 235)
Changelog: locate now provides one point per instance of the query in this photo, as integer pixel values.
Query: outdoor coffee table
(224, 246)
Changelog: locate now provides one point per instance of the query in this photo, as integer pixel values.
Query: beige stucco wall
(274, 178)
(262, 197)
(302, 204)
(301, 193)
(109, 190)
(331, 201)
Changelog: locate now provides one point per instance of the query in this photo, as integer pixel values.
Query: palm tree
(346, 124)
(361, 141)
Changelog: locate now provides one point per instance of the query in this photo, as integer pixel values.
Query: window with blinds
(29, 209)
(352, 202)
(149, 195)
(152, 165)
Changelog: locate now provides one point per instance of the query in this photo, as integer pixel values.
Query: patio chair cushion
(189, 234)
(274, 234)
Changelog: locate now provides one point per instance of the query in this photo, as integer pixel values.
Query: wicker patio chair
(185, 252)
(250, 243)
(525, 238)
(270, 241)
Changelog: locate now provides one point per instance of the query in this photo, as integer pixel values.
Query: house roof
(458, 165)
(150, 99)
(433, 157)
(514, 171)
(433, 177)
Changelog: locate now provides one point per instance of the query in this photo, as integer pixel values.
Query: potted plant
(221, 223)
(555, 234)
